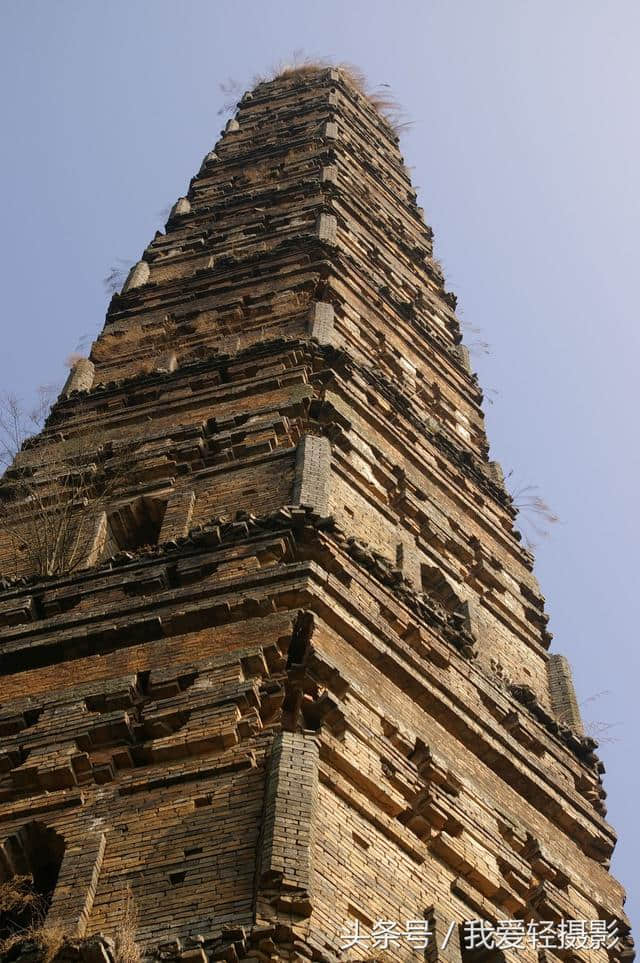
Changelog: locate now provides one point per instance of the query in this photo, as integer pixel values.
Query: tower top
(349, 76)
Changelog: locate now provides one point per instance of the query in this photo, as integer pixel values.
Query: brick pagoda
(274, 662)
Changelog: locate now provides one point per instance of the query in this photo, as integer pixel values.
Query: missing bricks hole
(194, 851)
(176, 878)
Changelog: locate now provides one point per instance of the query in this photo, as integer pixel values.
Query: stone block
(313, 474)
(80, 378)
(138, 276)
(321, 321)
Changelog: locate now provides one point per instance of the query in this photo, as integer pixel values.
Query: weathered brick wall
(295, 671)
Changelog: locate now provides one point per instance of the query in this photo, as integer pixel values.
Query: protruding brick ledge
(563, 693)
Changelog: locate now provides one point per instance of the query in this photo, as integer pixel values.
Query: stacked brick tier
(296, 672)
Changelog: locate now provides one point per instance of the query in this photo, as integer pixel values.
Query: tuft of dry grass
(49, 937)
(380, 99)
(534, 511)
(126, 948)
(301, 68)
(17, 895)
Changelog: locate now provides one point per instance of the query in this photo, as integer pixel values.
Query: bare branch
(117, 276)
(17, 423)
(536, 513)
(13, 428)
(49, 508)
(600, 731)
(596, 728)
(231, 90)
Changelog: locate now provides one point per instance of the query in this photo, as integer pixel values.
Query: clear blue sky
(525, 152)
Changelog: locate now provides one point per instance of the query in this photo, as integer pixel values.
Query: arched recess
(134, 524)
(30, 862)
(42, 876)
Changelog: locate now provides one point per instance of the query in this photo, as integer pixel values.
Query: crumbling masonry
(296, 678)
